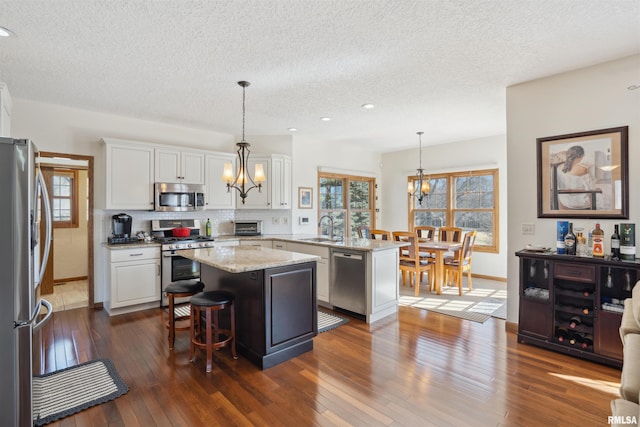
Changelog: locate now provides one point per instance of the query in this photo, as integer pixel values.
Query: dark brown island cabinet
(574, 304)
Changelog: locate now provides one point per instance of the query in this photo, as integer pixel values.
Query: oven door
(174, 268)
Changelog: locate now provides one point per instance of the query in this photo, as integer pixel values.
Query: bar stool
(210, 304)
(179, 289)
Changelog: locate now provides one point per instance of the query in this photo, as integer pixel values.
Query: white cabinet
(283, 246)
(217, 195)
(134, 277)
(281, 182)
(322, 268)
(276, 191)
(179, 166)
(232, 242)
(6, 106)
(129, 175)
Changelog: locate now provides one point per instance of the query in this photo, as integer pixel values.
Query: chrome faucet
(330, 224)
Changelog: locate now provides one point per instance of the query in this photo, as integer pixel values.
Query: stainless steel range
(174, 266)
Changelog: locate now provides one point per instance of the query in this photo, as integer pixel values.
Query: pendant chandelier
(243, 181)
(423, 187)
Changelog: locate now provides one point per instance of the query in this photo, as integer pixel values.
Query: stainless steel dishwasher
(348, 280)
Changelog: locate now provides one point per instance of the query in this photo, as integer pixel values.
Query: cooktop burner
(188, 239)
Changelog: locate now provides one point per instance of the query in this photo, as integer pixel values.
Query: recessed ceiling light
(367, 106)
(5, 32)
(325, 119)
(292, 129)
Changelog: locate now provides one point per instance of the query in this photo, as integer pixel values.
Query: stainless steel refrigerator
(23, 204)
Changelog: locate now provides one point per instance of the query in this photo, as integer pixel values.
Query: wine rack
(573, 304)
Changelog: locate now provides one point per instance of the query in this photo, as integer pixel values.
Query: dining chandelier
(423, 186)
(243, 181)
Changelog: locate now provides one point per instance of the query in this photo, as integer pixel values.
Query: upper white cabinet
(276, 191)
(217, 195)
(5, 110)
(129, 175)
(179, 166)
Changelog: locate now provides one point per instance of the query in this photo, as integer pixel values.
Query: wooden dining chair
(380, 235)
(363, 231)
(450, 234)
(410, 261)
(426, 232)
(455, 267)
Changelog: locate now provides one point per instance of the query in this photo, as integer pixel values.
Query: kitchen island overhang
(276, 306)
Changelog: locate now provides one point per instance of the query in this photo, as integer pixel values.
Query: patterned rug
(68, 391)
(327, 321)
(478, 305)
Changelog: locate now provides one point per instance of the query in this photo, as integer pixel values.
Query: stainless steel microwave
(173, 197)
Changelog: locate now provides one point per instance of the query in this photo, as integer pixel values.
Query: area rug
(478, 305)
(68, 391)
(327, 321)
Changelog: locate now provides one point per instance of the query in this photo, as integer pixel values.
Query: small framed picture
(305, 197)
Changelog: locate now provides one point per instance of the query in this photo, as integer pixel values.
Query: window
(468, 200)
(64, 198)
(349, 200)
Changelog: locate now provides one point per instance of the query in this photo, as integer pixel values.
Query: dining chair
(450, 234)
(411, 262)
(426, 232)
(380, 235)
(363, 231)
(462, 261)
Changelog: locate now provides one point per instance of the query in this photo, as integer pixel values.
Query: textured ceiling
(437, 66)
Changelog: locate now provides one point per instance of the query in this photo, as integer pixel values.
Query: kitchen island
(275, 291)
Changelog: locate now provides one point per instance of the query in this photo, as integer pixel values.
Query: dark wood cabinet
(574, 304)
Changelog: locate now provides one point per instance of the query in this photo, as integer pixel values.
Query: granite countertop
(350, 243)
(141, 244)
(239, 259)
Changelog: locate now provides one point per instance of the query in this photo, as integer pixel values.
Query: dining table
(439, 249)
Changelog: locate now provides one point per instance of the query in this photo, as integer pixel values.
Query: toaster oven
(247, 228)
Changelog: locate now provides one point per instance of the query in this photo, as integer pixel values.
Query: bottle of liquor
(208, 228)
(590, 242)
(562, 334)
(598, 242)
(574, 322)
(587, 341)
(615, 244)
(570, 241)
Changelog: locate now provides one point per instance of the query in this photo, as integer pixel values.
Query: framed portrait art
(305, 197)
(584, 175)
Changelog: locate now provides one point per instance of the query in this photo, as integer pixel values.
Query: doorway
(74, 229)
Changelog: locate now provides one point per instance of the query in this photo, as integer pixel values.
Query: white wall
(582, 100)
(483, 153)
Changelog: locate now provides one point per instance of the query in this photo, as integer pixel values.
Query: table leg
(439, 267)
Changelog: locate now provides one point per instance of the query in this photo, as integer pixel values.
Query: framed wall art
(584, 175)
(305, 197)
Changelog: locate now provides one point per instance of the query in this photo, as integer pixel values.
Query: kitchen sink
(320, 240)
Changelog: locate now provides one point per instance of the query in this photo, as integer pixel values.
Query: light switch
(528, 229)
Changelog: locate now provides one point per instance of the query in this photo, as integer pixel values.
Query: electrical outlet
(285, 220)
(528, 229)
(275, 220)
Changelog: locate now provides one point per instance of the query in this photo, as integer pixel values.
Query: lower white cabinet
(322, 267)
(134, 277)
(265, 243)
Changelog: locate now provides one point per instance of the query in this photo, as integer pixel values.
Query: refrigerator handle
(48, 225)
(49, 307)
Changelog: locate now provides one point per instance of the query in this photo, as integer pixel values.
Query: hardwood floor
(420, 368)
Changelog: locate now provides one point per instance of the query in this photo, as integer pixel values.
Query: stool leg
(232, 312)
(195, 314)
(209, 341)
(172, 322)
(216, 327)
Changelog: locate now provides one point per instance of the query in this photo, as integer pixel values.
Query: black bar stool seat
(208, 305)
(179, 289)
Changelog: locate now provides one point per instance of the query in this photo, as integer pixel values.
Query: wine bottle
(615, 244)
(574, 322)
(577, 338)
(562, 334)
(570, 241)
(598, 242)
(587, 341)
(208, 228)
